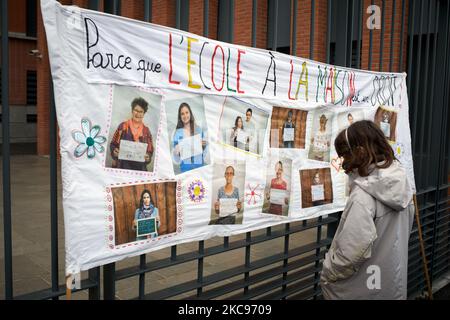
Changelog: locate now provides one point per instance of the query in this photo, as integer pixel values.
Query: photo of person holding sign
(189, 141)
(386, 120)
(131, 145)
(288, 128)
(320, 143)
(288, 131)
(238, 136)
(316, 186)
(250, 129)
(146, 218)
(277, 196)
(317, 190)
(228, 203)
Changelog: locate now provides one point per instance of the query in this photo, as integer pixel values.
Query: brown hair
(361, 145)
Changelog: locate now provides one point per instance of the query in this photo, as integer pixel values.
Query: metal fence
(293, 273)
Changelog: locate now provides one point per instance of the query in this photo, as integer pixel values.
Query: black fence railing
(292, 273)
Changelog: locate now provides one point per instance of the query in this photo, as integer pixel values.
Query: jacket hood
(389, 186)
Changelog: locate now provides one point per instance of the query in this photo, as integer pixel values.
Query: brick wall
(163, 12)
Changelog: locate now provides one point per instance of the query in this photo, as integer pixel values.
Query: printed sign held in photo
(227, 207)
(132, 151)
(145, 226)
(190, 147)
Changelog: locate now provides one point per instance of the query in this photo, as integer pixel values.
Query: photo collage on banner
(167, 137)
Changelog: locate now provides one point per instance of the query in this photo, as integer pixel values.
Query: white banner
(198, 134)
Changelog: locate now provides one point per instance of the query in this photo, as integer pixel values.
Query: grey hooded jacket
(368, 258)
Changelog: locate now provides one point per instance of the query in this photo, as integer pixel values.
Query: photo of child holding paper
(238, 135)
(228, 191)
(316, 186)
(386, 120)
(288, 128)
(277, 188)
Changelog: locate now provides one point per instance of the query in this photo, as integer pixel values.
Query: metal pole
(400, 66)
(328, 29)
(370, 45)
(254, 13)
(391, 53)
(201, 252)
(53, 192)
(294, 28)
(178, 14)
(5, 156)
(148, 10)
(313, 20)
(205, 18)
(382, 36)
(109, 281)
(275, 26)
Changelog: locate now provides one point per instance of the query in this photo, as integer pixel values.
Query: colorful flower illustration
(88, 139)
(196, 191)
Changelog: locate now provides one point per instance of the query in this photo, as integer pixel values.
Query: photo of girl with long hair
(188, 134)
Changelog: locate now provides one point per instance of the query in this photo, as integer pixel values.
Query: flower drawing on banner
(196, 191)
(399, 150)
(88, 140)
(254, 193)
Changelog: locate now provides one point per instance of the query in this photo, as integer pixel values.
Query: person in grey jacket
(368, 257)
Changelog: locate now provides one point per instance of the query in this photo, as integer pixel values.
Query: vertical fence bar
(328, 43)
(148, 10)
(7, 225)
(445, 105)
(350, 47)
(275, 26)
(313, 20)
(360, 23)
(428, 110)
(248, 239)
(391, 53)
(231, 25)
(370, 45)
(94, 276)
(173, 253)
(285, 260)
(254, 14)
(205, 18)
(201, 252)
(316, 264)
(53, 192)
(412, 7)
(294, 27)
(433, 75)
(109, 281)
(178, 14)
(142, 261)
(417, 65)
(402, 40)
(383, 5)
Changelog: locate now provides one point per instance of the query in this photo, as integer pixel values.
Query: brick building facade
(221, 14)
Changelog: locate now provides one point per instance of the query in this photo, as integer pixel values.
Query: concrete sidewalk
(30, 193)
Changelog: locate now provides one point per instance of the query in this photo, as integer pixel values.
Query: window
(31, 87)
(225, 26)
(31, 18)
(283, 26)
(112, 6)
